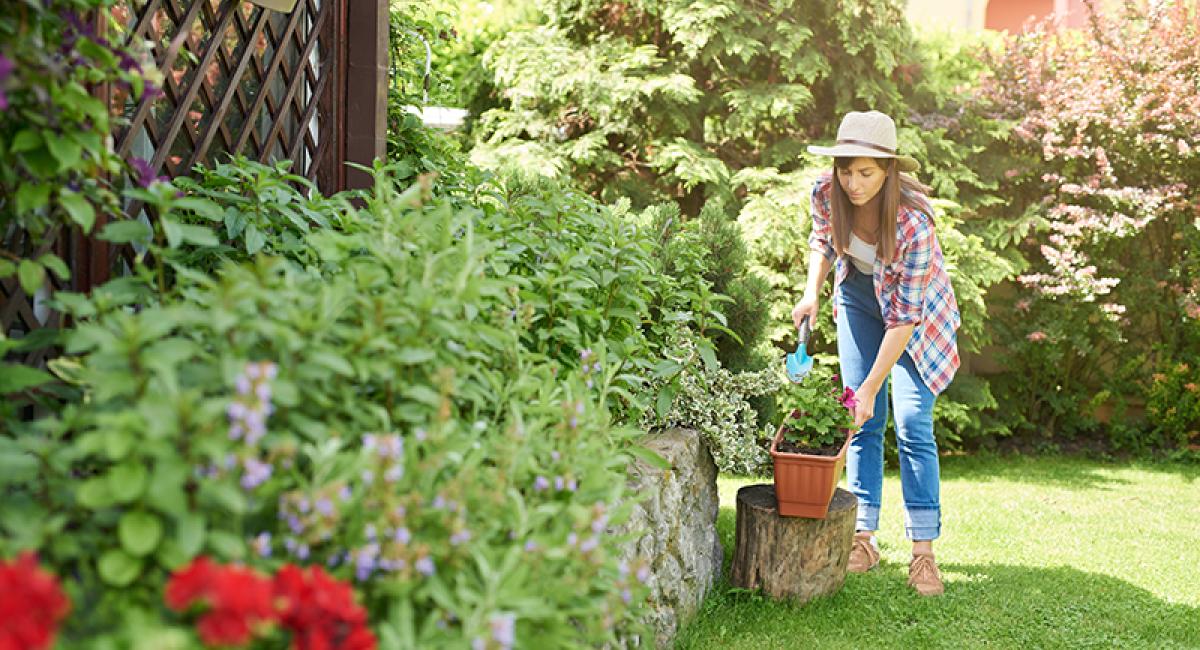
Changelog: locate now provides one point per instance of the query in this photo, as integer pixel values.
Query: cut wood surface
(791, 557)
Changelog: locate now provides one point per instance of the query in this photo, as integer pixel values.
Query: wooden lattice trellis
(307, 86)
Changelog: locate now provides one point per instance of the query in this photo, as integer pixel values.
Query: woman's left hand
(865, 409)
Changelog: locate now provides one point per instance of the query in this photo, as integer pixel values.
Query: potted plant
(809, 449)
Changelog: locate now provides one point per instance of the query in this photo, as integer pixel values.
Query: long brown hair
(899, 189)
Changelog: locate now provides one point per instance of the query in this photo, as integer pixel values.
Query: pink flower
(848, 399)
(1037, 336)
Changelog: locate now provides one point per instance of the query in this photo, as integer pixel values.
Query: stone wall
(679, 517)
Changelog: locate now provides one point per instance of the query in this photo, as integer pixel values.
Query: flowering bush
(427, 409)
(822, 409)
(1173, 406)
(1101, 203)
(32, 605)
(318, 612)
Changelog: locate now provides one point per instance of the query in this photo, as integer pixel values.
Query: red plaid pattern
(913, 290)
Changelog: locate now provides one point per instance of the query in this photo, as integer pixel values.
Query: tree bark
(791, 557)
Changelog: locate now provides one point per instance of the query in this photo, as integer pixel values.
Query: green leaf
(126, 231)
(189, 533)
(706, 353)
(32, 276)
(202, 207)
(173, 232)
(117, 443)
(224, 496)
(226, 545)
(666, 397)
(7, 268)
(27, 140)
(32, 197)
(254, 239)
(78, 208)
(52, 262)
(15, 378)
(65, 150)
(118, 568)
(413, 356)
(139, 532)
(94, 494)
(127, 481)
(198, 235)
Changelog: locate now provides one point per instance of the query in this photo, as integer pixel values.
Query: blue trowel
(798, 363)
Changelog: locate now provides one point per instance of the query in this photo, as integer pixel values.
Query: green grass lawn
(1035, 553)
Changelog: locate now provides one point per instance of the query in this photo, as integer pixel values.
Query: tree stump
(791, 557)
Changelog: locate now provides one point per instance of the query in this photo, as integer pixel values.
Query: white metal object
(282, 6)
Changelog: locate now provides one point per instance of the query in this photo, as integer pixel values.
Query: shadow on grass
(1058, 471)
(994, 606)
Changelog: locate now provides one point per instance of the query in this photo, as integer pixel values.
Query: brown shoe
(863, 554)
(923, 575)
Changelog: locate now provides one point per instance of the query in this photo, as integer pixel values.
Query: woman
(896, 317)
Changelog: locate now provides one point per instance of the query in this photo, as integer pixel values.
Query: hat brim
(905, 163)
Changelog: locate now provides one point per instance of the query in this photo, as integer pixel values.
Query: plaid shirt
(913, 290)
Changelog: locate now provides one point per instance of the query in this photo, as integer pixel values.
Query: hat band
(869, 145)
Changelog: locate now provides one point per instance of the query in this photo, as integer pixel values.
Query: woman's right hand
(806, 307)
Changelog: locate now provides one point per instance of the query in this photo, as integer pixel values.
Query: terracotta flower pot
(804, 483)
(282, 6)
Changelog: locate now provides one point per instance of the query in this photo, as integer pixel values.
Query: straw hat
(868, 135)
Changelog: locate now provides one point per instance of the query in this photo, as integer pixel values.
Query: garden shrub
(57, 165)
(1100, 207)
(425, 410)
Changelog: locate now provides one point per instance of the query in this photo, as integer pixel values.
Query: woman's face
(862, 179)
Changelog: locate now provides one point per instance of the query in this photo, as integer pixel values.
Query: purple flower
(325, 506)
(400, 511)
(460, 537)
(439, 502)
(262, 544)
(626, 596)
(243, 385)
(402, 535)
(590, 544)
(270, 370)
(572, 539)
(559, 484)
(255, 473)
(144, 173)
(571, 485)
(369, 442)
(478, 644)
(540, 483)
(236, 411)
(344, 493)
(420, 435)
(585, 354)
(554, 455)
(394, 473)
(302, 552)
(574, 422)
(599, 524)
(302, 505)
(6, 68)
(623, 568)
(643, 573)
(425, 566)
(368, 476)
(295, 525)
(504, 629)
(235, 431)
(263, 392)
(370, 531)
(530, 546)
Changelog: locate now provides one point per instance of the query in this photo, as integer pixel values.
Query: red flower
(32, 604)
(239, 600)
(320, 612)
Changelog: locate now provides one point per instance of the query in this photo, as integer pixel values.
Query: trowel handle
(805, 330)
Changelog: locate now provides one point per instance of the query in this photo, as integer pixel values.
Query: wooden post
(791, 557)
(366, 87)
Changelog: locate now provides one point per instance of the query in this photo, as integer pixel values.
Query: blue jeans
(860, 332)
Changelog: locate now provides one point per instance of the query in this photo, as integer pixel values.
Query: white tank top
(861, 254)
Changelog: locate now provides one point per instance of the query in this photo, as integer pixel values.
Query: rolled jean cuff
(868, 517)
(922, 524)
